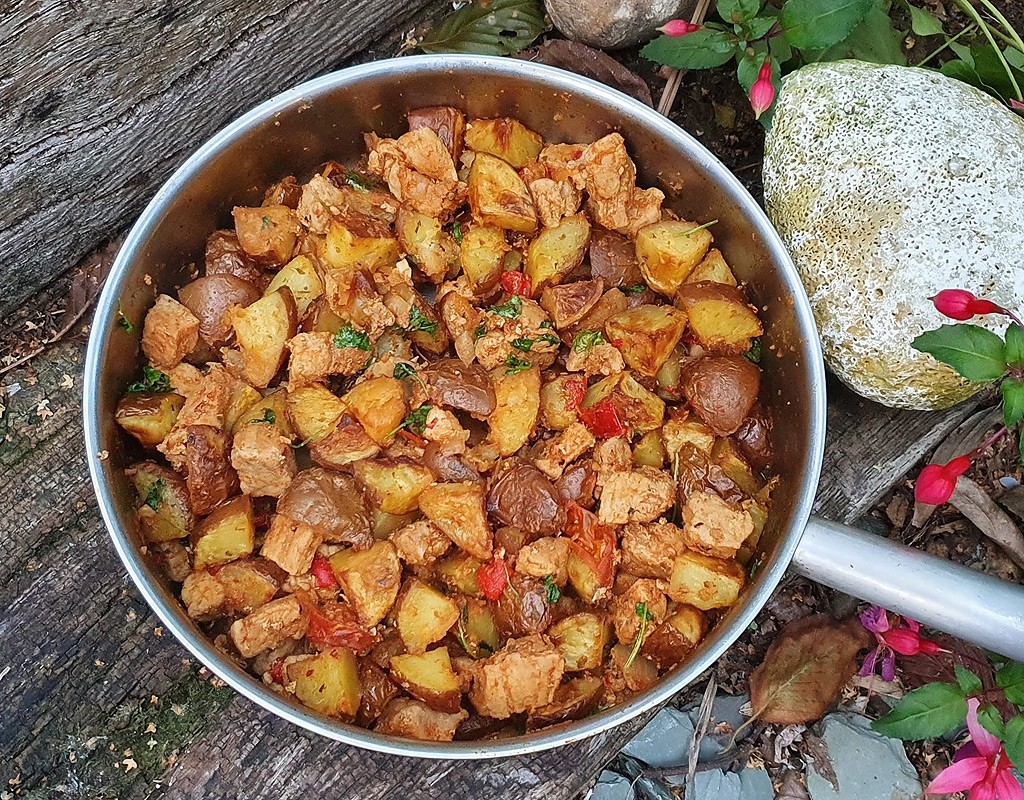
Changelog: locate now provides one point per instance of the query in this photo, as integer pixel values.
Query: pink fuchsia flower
(981, 767)
(961, 305)
(1016, 105)
(678, 27)
(936, 482)
(904, 638)
(762, 93)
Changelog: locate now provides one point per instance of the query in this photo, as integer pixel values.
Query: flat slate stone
(611, 786)
(664, 741)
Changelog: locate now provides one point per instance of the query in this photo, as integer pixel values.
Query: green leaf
(963, 52)
(923, 22)
(347, 336)
(976, 353)
(738, 10)
(510, 309)
(875, 40)
(584, 340)
(933, 710)
(403, 370)
(1015, 345)
(758, 27)
(1013, 401)
(817, 24)
(968, 681)
(155, 495)
(989, 68)
(1013, 741)
(1010, 678)
(991, 720)
(551, 590)
(497, 28)
(702, 49)
(1014, 57)
(419, 322)
(514, 365)
(153, 380)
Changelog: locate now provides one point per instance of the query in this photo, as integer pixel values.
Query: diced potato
(725, 454)
(498, 196)
(705, 582)
(248, 584)
(273, 406)
(301, 277)
(209, 476)
(483, 256)
(229, 532)
(424, 615)
(394, 484)
(458, 510)
(370, 579)
(430, 247)
(646, 335)
(314, 411)
(344, 445)
(558, 401)
(649, 451)
(165, 513)
(149, 417)
(611, 303)
(379, 405)
(269, 626)
(243, 398)
(447, 122)
(583, 578)
(712, 268)
(479, 633)
(360, 242)
(328, 682)
(459, 573)
(267, 233)
(668, 251)
(673, 640)
(568, 303)
(262, 331)
(581, 640)
(642, 674)
(517, 406)
(641, 410)
(429, 677)
(720, 318)
(556, 252)
(385, 524)
(505, 138)
(678, 432)
(321, 318)
(573, 700)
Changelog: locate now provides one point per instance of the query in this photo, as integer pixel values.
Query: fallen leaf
(129, 764)
(805, 669)
(493, 28)
(67, 382)
(590, 63)
(150, 728)
(817, 749)
(179, 711)
(974, 503)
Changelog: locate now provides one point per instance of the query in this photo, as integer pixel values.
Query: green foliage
(495, 28)
(1013, 741)
(922, 21)
(704, 48)
(1015, 346)
(967, 680)
(1010, 678)
(817, 24)
(990, 719)
(1013, 401)
(974, 352)
(933, 710)
(404, 370)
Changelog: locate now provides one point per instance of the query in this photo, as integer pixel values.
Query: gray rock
(756, 785)
(614, 23)
(726, 708)
(714, 784)
(664, 741)
(611, 786)
(867, 765)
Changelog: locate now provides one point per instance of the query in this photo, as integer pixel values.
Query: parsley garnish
(638, 289)
(122, 320)
(699, 227)
(415, 422)
(550, 338)
(546, 324)
(419, 322)
(516, 365)
(268, 416)
(155, 495)
(457, 231)
(551, 590)
(481, 329)
(460, 629)
(404, 371)
(266, 223)
(754, 353)
(522, 343)
(348, 336)
(153, 380)
(584, 340)
(356, 181)
(645, 617)
(511, 309)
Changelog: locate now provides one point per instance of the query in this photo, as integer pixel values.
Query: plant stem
(1014, 37)
(972, 12)
(999, 434)
(948, 42)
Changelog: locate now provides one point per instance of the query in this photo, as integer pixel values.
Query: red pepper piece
(515, 283)
(335, 625)
(321, 569)
(574, 391)
(492, 578)
(277, 671)
(593, 542)
(603, 420)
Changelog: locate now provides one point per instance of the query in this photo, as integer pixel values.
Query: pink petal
(987, 744)
(982, 791)
(868, 667)
(875, 619)
(904, 641)
(1017, 104)
(1007, 787)
(959, 776)
(889, 666)
(914, 626)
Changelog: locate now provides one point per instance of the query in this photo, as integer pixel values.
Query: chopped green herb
(348, 336)
(699, 227)
(416, 421)
(515, 365)
(638, 289)
(457, 231)
(122, 320)
(419, 322)
(460, 629)
(155, 495)
(404, 371)
(754, 353)
(481, 329)
(356, 181)
(153, 380)
(584, 340)
(522, 343)
(511, 308)
(268, 416)
(266, 222)
(546, 324)
(551, 590)
(645, 617)
(550, 338)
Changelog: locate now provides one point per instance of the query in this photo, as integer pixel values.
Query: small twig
(699, 732)
(675, 79)
(38, 349)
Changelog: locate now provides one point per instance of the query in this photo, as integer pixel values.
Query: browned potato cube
(712, 268)
(370, 579)
(646, 335)
(165, 513)
(568, 303)
(613, 258)
(314, 411)
(301, 277)
(678, 432)
(721, 390)
(423, 616)
(556, 252)
(379, 405)
(360, 243)
(639, 676)
(228, 533)
(477, 630)
(581, 640)
(583, 579)
(212, 299)
(559, 399)
(719, 316)
(517, 405)
(705, 582)
(291, 544)
(344, 445)
(458, 510)
(394, 484)
(498, 196)
(483, 256)
(459, 571)
(429, 677)
(262, 331)
(267, 233)
(573, 700)
(272, 407)
(649, 451)
(448, 123)
(209, 475)
(641, 409)
(727, 456)
(328, 682)
(248, 584)
(149, 417)
(667, 252)
(428, 245)
(676, 637)
(611, 303)
(242, 399)
(505, 138)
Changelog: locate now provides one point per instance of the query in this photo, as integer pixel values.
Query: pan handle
(970, 605)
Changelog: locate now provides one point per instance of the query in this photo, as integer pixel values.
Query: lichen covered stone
(888, 184)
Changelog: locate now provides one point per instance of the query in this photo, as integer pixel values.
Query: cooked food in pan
(459, 442)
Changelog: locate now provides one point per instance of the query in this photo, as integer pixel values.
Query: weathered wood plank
(101, 101)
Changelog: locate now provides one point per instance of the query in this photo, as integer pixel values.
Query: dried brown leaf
(590, 63)
(791, 787)
(805, 669)
(973, 502)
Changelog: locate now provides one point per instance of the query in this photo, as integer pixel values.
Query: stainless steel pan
(324, 119)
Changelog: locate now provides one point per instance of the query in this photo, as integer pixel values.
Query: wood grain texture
(102, 100)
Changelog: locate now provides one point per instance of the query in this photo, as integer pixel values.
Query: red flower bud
(678, 27)
(1016, 105)
(762, 93)
(960, 304)
(936, 482)
(909, 642)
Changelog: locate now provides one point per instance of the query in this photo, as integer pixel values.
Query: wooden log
(103, 100)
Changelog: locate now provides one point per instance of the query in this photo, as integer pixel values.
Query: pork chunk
(314, 357)
(547, 556)
(614, 201)
(610, 457)
(443, 427)
(320, 202)
(169, 333)
(650, 550)
(642, 495)
(420, 542)
(419, 171)
(269, 626)
(291, 544)
(521, 677)
(206, 404)
(263, 459)
(713, 527)
(624, 613)
(557, 453)
(600, 359)
(203, 596)
(412, 719)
